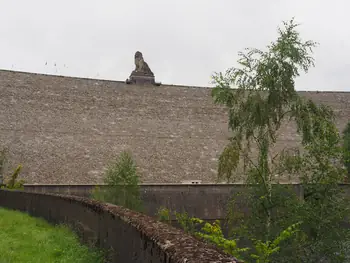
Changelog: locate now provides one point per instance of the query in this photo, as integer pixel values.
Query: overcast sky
(183, 41)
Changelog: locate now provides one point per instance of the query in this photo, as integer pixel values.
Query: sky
(184, 41)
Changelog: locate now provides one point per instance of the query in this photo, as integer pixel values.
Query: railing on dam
(126, 235)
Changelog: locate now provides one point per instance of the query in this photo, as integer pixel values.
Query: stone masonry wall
(127, 236)
(205, 201)
(66, 130)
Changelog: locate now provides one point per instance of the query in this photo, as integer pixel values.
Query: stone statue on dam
(141, 66)
(142, 74)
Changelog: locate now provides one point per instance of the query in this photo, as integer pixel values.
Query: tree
(261, 97)
(122, 182)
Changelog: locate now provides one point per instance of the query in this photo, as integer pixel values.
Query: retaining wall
(206, 201)
(128, 236)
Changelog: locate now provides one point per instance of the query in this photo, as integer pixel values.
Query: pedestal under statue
(142, 75)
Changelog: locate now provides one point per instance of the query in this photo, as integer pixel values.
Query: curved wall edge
(128, 236)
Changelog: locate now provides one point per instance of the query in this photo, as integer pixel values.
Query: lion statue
(141, 66)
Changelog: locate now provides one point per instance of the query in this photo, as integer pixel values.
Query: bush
(261, 252)
(122, 182)
(9, 182)
(12, 182)
(164, 215)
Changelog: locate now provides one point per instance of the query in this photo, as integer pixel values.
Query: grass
(24, 239)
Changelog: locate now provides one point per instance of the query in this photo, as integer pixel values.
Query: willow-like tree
(261, 97)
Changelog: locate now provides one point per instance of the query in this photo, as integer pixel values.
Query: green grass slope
(24, 239)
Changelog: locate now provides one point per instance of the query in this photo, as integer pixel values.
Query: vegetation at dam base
(261, 252)
(122, 180)
(33, 240)
(261, 97)
(9, 181)
(282, 226)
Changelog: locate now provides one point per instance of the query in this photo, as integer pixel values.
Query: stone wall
(66, 130)
(205, 201)
(126, 235)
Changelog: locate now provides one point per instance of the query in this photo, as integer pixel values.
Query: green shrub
(164, 215)
(122, 182)
(261, 252)
(13, 183)
(9, 182)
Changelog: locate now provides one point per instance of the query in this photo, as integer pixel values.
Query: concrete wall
(66, 130)
(206, 201)
(127, 235)
(203, 201)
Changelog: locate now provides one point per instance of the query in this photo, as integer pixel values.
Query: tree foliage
(261, 252)
(122, 182)
(13, 182)
(260, 96)
(9, 181)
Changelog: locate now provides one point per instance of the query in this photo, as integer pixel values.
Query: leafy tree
(261, 97)
(122, 182)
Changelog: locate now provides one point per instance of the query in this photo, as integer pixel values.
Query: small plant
(187, 223)
(212, 233)
(9, 182)
(13, 183)
(264, 250)
(164, 215)
(98, 194)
